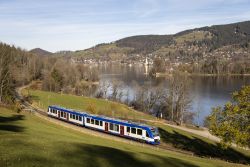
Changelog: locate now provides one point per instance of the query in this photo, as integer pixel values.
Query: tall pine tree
(7, 89)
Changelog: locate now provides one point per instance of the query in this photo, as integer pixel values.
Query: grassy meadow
(170, 137)
(27, 140)
(193, 36)
(42, 99)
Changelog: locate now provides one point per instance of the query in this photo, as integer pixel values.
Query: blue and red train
(117, 127)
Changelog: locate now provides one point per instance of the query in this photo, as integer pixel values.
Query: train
(126, 129)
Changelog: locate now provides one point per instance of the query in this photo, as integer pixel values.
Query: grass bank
(27, 140)
(42, 99)
(170, 136)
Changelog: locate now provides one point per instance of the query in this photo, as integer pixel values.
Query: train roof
(104, 118)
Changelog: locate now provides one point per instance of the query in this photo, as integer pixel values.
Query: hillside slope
(204, 39)
(171, 137)
(27, 140)
(40, 52)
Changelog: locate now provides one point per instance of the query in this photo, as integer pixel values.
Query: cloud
(62, 25)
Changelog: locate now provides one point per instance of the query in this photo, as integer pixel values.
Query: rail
(43, 114)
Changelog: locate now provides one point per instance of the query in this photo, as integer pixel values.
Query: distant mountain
(145, 43)
(217, 36)
(40, 52)
(183, 45)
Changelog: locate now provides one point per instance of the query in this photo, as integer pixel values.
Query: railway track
(26, 106)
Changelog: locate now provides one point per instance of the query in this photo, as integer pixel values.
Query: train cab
(156, 135)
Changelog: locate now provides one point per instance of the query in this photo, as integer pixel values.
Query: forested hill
(17, 67)
(216, 36)
(183, 44)
(40, 52)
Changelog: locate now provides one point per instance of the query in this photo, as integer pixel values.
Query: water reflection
(206, 91)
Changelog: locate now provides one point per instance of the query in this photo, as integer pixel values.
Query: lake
(206, 91)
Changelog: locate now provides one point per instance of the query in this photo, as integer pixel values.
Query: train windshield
(155, 132)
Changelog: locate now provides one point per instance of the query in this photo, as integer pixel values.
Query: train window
(74, 116)
(80, 118)
(116, 128)
(100, 123)
(88, 120)
(147, 134)
(128, 129)
(64, 114)
(77, 117)
(139, 132)
(61, 114)
(133, 130)
(92, 121)
(70, 115)
(111, 126)
(96, 122)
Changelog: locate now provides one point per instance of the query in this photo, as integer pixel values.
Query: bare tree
(116, 90)
(104, 88)
(178, 97)
(155, 97)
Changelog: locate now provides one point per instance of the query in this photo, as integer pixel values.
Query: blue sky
(78, 24)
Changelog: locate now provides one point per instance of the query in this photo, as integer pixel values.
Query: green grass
(92, 105)
(27, 140)
(172, 137)
(165, 50)
(193, 36)
(201, 146)
(111, 49)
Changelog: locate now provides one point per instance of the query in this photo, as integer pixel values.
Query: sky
(56, 25)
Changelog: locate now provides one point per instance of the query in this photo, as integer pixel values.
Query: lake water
(206, 91)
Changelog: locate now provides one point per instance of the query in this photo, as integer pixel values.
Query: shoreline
(201, 75)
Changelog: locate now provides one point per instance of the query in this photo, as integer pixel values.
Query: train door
(122, 130)
(58, 113)
(67, 116)
(106, 126)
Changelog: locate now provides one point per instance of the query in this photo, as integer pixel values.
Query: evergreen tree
(7, 89)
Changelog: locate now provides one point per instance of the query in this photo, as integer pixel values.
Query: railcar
(126, 129)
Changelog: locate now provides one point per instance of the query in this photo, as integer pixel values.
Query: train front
(156, 135)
